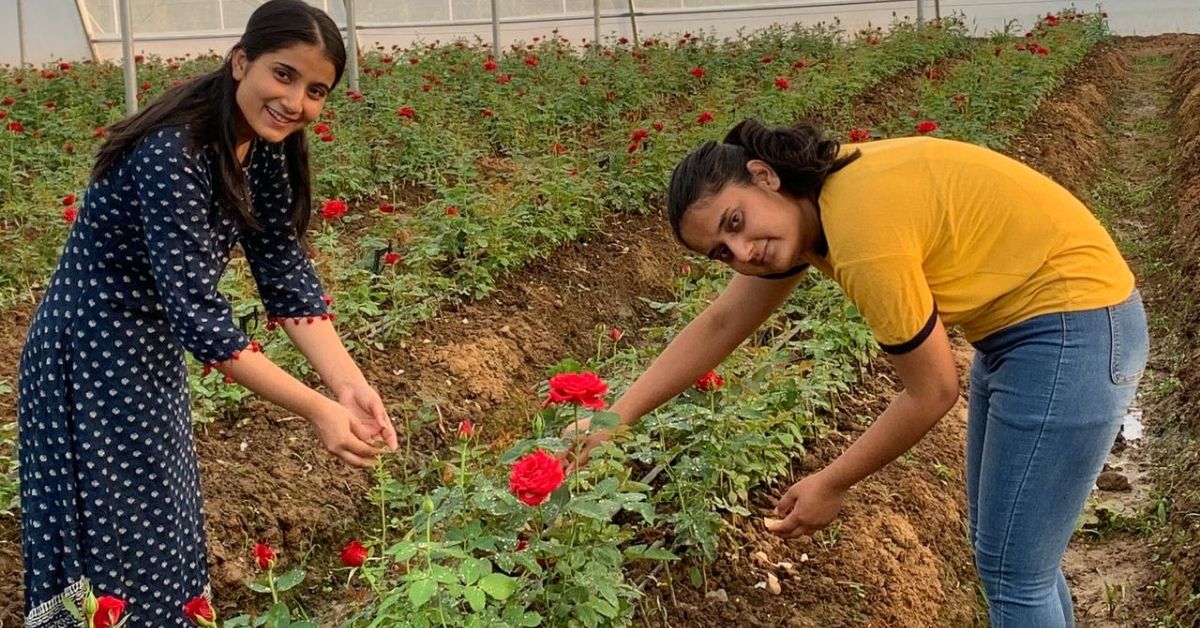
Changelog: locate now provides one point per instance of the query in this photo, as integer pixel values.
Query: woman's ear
(238, 63)
(761, 173)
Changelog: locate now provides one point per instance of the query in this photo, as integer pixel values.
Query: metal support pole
(495, 31)
(633, 24)
(125, 17)
(920, 12)
(21, 30)
(352, 45)
(596, 22)
(937, 10)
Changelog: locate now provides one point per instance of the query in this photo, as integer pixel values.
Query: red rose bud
(70, 214)
(860, 135)
(391, 258)
(68, 200)
(466, 429)
(487, 113)
(531, 61)
(615, 334)
(490, 65)
(658, 126)
(710, 381)
(328, 137)
(264, 555)
(584, 389)
(108, 611)
(698, 72)
(407, 112)
(503, 79)
(535, 476)
(386, 208)
(927, 126)
(782, 82)
(354, 554)
(704, 118)
(451, 211)
(321, 128)
(199, 611)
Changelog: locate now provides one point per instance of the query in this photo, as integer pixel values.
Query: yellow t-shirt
(922, 227)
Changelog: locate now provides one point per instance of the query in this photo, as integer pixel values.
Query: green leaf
(602, 510)
(443, 574)
(531, 619)
(474, 569)
(498, 585)
(475, 598)
(421, 591)
(241, 621)
(257, 586)
(289, 580)
(279, 616)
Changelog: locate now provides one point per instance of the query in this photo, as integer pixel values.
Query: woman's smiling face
(754, 228)
(281, 91)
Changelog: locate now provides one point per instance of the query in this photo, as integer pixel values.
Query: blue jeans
(1047, 399)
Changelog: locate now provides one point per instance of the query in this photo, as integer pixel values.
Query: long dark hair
(802, 155)
(207, 106)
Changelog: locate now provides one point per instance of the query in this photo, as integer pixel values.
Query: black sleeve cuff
(916, 341)
(791, 272)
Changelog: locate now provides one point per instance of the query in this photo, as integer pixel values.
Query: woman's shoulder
(170, 144)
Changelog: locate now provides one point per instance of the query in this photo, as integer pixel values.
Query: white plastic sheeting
(56, 28)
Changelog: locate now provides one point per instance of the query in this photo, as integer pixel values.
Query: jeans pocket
(1130, 340)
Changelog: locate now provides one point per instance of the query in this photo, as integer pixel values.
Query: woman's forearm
(905, 421)
(256, 372)
(323, 348)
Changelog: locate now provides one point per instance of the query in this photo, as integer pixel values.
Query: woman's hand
(584, 442)
(345, 435)
(373, 423)
(808, 506)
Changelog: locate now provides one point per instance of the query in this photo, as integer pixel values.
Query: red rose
(335, 208)
(100, 132)
(658, 126)
(108, 611)
(583, 80)
(490, 65)
(487, 113)
(354, 96)
(199, 610)
(8, 100)
(535, 477)
(782, 82)
(503, 79)
(710, 381)
(354, 554)
(407, 112)
(452, 211)
(585, 389)
(264, 555)
(391, 257)
(386, 208)
(466, 429)
(413, 60)
(68, 199)
(704, 118)
(16, 127)
(531, 61)
(698, 72)
(860, 135)
(328, 137)
(70, 214)
(927, 126)
(640, 135)
(49, 74)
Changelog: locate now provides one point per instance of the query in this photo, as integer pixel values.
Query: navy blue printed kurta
(109, 487)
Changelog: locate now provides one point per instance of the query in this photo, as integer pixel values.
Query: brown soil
(1183, 311)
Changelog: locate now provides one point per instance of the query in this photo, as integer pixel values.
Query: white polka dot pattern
(110, 491)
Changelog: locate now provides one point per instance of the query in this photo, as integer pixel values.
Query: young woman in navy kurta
(106, 425)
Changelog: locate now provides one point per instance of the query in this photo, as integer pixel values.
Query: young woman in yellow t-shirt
(924, 234)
